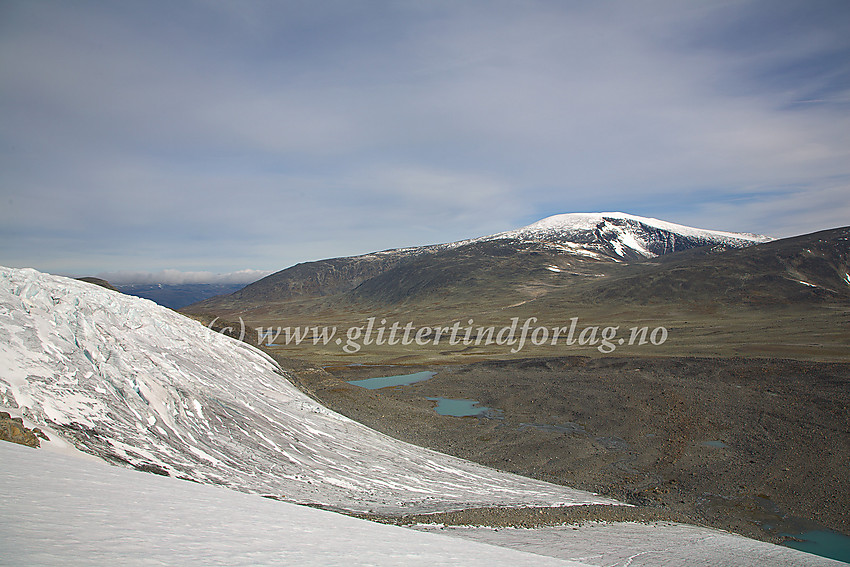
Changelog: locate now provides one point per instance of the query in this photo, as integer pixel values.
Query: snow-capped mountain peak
(589, 221)
(621, 235)
(579, 237)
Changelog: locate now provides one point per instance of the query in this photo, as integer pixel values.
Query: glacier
(142, 386)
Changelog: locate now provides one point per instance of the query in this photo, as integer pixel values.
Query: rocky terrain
(13, 430)
(754, 446)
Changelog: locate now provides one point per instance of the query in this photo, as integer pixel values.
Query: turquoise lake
(445, 406)
(461, 408)
(824, 543)
(389, 381)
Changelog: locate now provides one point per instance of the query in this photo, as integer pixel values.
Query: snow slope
(60, 510)
(633, 544)
(140, 385)
(589, 221)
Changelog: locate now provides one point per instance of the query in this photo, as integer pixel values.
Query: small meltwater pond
(445, 406)
(462, 408)
(389, 381)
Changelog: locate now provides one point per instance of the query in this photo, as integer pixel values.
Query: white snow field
(628, 543)
(140, 385)
(61, 510)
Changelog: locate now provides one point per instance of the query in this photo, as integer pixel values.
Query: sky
(215, 137)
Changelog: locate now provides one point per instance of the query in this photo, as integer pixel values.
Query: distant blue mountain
(176, 296)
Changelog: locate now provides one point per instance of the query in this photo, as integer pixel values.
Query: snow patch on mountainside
(143, 386)
(589, 221)
(602, 236)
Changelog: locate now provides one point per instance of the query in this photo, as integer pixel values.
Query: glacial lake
(389, 381)
(462, 408)
(824, 543)
(445, 406)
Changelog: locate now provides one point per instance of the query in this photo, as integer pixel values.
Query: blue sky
(218, 136)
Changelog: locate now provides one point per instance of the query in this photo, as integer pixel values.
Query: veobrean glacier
(141, 385)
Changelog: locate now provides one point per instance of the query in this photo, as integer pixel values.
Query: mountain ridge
(586, 237)
(722, 297)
